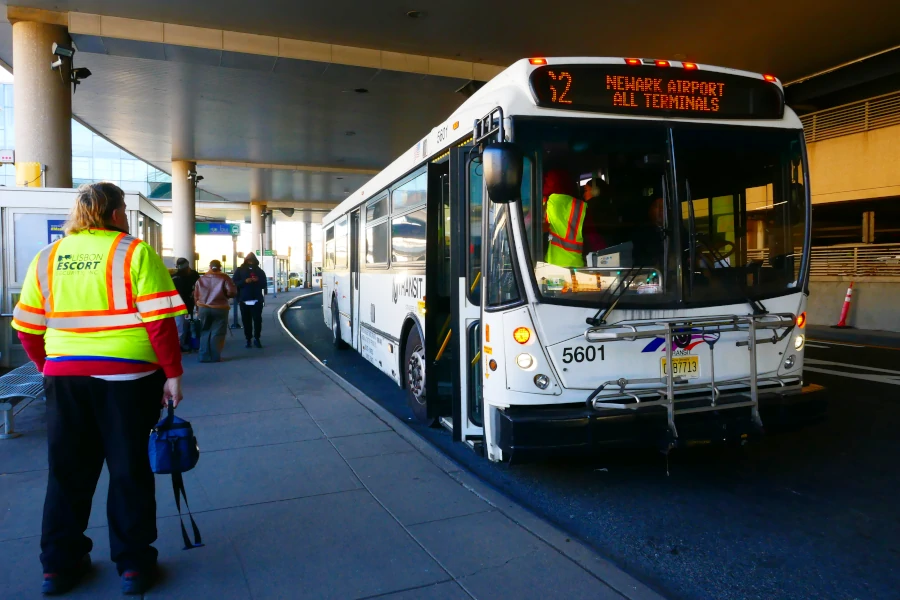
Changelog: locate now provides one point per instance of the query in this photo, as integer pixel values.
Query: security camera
(63, 51)
(288, 212)
(199, 178)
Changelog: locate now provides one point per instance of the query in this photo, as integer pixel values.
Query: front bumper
(524, 430)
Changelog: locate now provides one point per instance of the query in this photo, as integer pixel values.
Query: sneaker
(135, 583)
(256, 343)
(63, 581)
(248, 344)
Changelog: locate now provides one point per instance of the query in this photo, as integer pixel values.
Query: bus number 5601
(579, 354)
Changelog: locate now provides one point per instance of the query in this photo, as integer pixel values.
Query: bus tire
(414, 374)
(336, 340)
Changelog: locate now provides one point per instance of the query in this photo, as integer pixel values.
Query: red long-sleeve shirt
(163, 337)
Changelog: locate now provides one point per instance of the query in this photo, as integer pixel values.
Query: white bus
(694, 254)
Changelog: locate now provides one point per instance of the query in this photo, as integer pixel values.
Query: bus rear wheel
(414, 370)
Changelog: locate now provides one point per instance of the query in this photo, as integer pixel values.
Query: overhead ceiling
(224, 109)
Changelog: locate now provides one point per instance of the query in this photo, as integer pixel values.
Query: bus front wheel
(336, 327)
(415, 376)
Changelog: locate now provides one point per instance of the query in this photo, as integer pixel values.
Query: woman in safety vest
(95, 316)
(564, 218)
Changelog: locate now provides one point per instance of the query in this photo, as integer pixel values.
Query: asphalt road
(800, 514)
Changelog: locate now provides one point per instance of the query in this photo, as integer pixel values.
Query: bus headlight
(542, 381)
(798, 342)
(525, 361)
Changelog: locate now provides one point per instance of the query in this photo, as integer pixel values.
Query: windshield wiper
(599, 317)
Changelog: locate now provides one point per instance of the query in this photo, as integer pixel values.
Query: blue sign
(55, 231)
(207, 228)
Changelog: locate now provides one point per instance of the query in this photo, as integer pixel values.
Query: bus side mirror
(503, 172)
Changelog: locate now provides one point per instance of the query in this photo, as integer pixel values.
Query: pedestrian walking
(185, 278)
(96, 317)
(211, 295)
(251, 284)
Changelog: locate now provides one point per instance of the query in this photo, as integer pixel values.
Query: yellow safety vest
(565, 215)
(90, 293)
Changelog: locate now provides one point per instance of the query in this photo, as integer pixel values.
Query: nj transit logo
(660, 343)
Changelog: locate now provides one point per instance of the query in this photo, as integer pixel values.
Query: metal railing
(858, 260)
(856, 117)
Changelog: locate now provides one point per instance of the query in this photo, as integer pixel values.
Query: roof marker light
(662, 63)
(770, 78)
(689, 66)
(455, 125)
(634, 62)
(538, 61)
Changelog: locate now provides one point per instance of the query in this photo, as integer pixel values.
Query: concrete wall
(856, 167)
(875, 305)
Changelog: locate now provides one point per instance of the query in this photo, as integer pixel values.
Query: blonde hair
(94, 207)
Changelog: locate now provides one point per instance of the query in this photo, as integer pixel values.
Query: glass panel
(329, 255)
(475, 191)
(377, 244)
(476, 394)
(502, 286)
(602, 213)
(411, 193)
(377, 209)
(340, 238)
(81, 167)
(32, 233)
(408, 238)
(527, 187)
(743, 212)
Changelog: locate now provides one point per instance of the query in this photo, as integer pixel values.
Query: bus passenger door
(354, 278)
(466, 194)
(439, 352)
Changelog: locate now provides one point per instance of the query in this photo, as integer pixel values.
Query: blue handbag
(173, 449)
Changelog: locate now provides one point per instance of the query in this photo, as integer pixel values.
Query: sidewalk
(308, 489)
(872, 337)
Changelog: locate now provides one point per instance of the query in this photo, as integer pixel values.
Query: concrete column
(270, 227)
(257, 226)
(183, 210)
(308, 255)
(43, 99)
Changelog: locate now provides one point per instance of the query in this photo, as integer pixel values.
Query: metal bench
(22, 383)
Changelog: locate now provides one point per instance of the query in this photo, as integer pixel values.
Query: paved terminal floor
(808, 513)
(307, 489)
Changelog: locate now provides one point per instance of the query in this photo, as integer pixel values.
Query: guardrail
(856, 117)
(853, 260)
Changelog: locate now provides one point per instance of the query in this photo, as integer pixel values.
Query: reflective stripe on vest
(30, 317)
(155, 304)
(121, 312)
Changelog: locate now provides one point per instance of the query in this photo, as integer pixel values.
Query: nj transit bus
(683, 317)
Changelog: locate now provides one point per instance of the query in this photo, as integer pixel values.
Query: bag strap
(178, 489)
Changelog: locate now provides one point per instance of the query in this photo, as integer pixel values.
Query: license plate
(685, 366)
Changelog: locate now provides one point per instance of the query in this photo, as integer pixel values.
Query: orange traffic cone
(845, 310)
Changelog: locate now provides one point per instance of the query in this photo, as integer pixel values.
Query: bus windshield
(614, 215)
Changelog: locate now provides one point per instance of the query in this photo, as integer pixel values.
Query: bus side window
(474, 192)
(329, 248)
(528, 209)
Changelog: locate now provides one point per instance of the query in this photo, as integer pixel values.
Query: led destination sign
(666, 91)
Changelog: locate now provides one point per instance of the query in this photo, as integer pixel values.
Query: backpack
(173, 449)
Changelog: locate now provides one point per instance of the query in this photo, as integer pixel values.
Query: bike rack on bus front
(645, 397)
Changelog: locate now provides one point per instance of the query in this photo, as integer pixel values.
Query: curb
(565, 544)
(883, 339)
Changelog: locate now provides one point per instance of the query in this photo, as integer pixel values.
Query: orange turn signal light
(801, 320)
(522, 335)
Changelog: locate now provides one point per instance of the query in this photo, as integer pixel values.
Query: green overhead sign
(206, 228)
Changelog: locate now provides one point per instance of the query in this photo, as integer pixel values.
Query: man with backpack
(185, 279)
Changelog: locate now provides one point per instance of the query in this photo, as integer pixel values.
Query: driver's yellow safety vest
(90, 293)
(565, 216)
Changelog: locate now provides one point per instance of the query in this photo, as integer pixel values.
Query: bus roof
(511, 90)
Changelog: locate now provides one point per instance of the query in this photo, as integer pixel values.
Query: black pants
(252, 317)
(89, 420)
